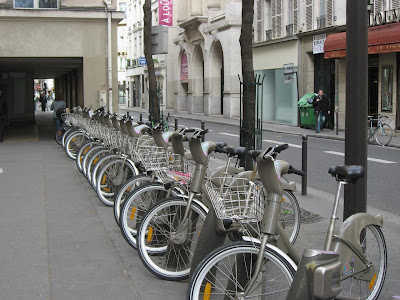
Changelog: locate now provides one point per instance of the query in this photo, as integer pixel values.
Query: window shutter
(309, 15)
(395, 4)
(329, 12)
(259, 21)
(378, 6)
(295, 16)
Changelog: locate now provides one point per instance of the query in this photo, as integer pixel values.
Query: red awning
(381, 39)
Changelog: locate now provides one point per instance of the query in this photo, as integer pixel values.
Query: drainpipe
(109, 54)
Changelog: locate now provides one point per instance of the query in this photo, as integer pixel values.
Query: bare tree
(154, 107)
(247, 133)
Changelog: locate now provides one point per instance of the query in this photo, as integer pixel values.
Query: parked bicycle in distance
(382, 133)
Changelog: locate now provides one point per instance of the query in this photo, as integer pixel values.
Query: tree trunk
(154, 106)
(247, 130)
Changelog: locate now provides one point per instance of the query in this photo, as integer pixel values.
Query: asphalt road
(383, 173)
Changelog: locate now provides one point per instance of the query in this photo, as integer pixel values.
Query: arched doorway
(183, 82)
(216, 79)
(196, 84)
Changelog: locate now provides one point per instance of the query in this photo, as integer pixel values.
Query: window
(387, 88)
(36, 3)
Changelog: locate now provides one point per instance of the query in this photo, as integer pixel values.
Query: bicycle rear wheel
(383, 134)
(166, 252)
(374, 249)
(226, 272)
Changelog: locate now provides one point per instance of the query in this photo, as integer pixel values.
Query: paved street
(60, 242)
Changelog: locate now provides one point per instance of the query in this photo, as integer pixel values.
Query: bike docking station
(317, 276)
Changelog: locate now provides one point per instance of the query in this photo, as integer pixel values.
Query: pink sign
(184, 68)
(165, 12)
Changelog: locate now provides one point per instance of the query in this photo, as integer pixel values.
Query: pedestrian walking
(321, 109)
(3, 114)
(57, 104)
(43, 101)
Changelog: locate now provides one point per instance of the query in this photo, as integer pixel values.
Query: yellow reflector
(132, 213)
(74, 139)
(104, 179)
(95, 160)
(86, 150)
(207, 291)
(150, 234)
(372, 282)
(283, 199)
(128, 189)
(106, 190)
(81, 159)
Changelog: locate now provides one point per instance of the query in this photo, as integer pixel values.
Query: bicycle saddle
(348, 173)
(236, 151)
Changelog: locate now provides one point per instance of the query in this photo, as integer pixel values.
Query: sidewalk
(267, 126)
(58, 241)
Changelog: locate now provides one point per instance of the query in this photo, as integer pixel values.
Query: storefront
(383, 70)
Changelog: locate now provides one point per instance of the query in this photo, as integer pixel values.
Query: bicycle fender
(272, 247)
(132, 163)
(291, 185)
(350, 232)
(201, 204)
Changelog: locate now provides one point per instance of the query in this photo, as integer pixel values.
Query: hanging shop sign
(318, 43)
(184, 68)
(384, 17)
(165, 12)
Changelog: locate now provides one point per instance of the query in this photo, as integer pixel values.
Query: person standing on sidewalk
(321, 109)
(57, 103)
(3, 114)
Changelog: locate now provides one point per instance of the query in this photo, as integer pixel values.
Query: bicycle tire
(60, 133)
(136, 205)
(290, 215)
(124, 191)
(383, 134)
(369, 290)
(164, 253)
(73, 144)
(99, 165)
(92, 152)
(225, 272)
(86, 146)
(91, 163)
(112, 175)
(70, 131)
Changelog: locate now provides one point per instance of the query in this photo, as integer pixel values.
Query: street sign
(142, 61)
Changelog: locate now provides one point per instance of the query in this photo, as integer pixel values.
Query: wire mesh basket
(181, 169)
(236, 198)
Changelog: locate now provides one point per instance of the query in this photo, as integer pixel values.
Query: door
(373, 77)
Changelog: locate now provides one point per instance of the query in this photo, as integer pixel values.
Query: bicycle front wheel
(290, 215)
(112, 175)
(226, 272)
(383, 134)
(374, 249)
(166, 241)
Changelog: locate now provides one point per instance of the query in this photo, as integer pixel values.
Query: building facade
(62, 39)
(208, 60)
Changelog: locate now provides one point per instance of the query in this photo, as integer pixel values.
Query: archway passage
(216, 79)
(17, 77)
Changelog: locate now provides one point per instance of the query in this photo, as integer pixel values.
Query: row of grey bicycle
(228, 231)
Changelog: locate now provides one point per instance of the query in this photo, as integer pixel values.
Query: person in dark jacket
(3, 113)
(321, 109)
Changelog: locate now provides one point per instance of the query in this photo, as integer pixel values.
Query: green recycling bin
(307, 116)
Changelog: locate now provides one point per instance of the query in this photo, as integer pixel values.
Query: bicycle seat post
(334, 217)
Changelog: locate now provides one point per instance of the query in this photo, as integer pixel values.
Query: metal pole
(109, 55)
(202, 128)
(355, 195)
(337, 121)
(304, 164)
(141, 118)
(176, 124)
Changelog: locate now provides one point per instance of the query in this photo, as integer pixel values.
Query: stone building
(61, 39)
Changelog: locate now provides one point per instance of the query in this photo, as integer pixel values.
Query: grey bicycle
(382, 133)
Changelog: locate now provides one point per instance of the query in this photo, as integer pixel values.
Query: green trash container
(307, 116)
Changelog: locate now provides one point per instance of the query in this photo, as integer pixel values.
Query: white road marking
(382, 161)
(279, 143)
(229, 134)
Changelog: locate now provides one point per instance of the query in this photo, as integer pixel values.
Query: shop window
(36, 3)
(387, 88)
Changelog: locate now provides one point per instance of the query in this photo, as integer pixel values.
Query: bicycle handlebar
(275, 150)
(293, 170)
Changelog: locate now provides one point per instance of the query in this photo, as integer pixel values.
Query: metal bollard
(140, 117)
(176, 124)
(337, 122)
(304, 164)
(202, 128)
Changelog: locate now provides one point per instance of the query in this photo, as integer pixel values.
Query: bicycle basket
(236, 198)
(181, 169)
